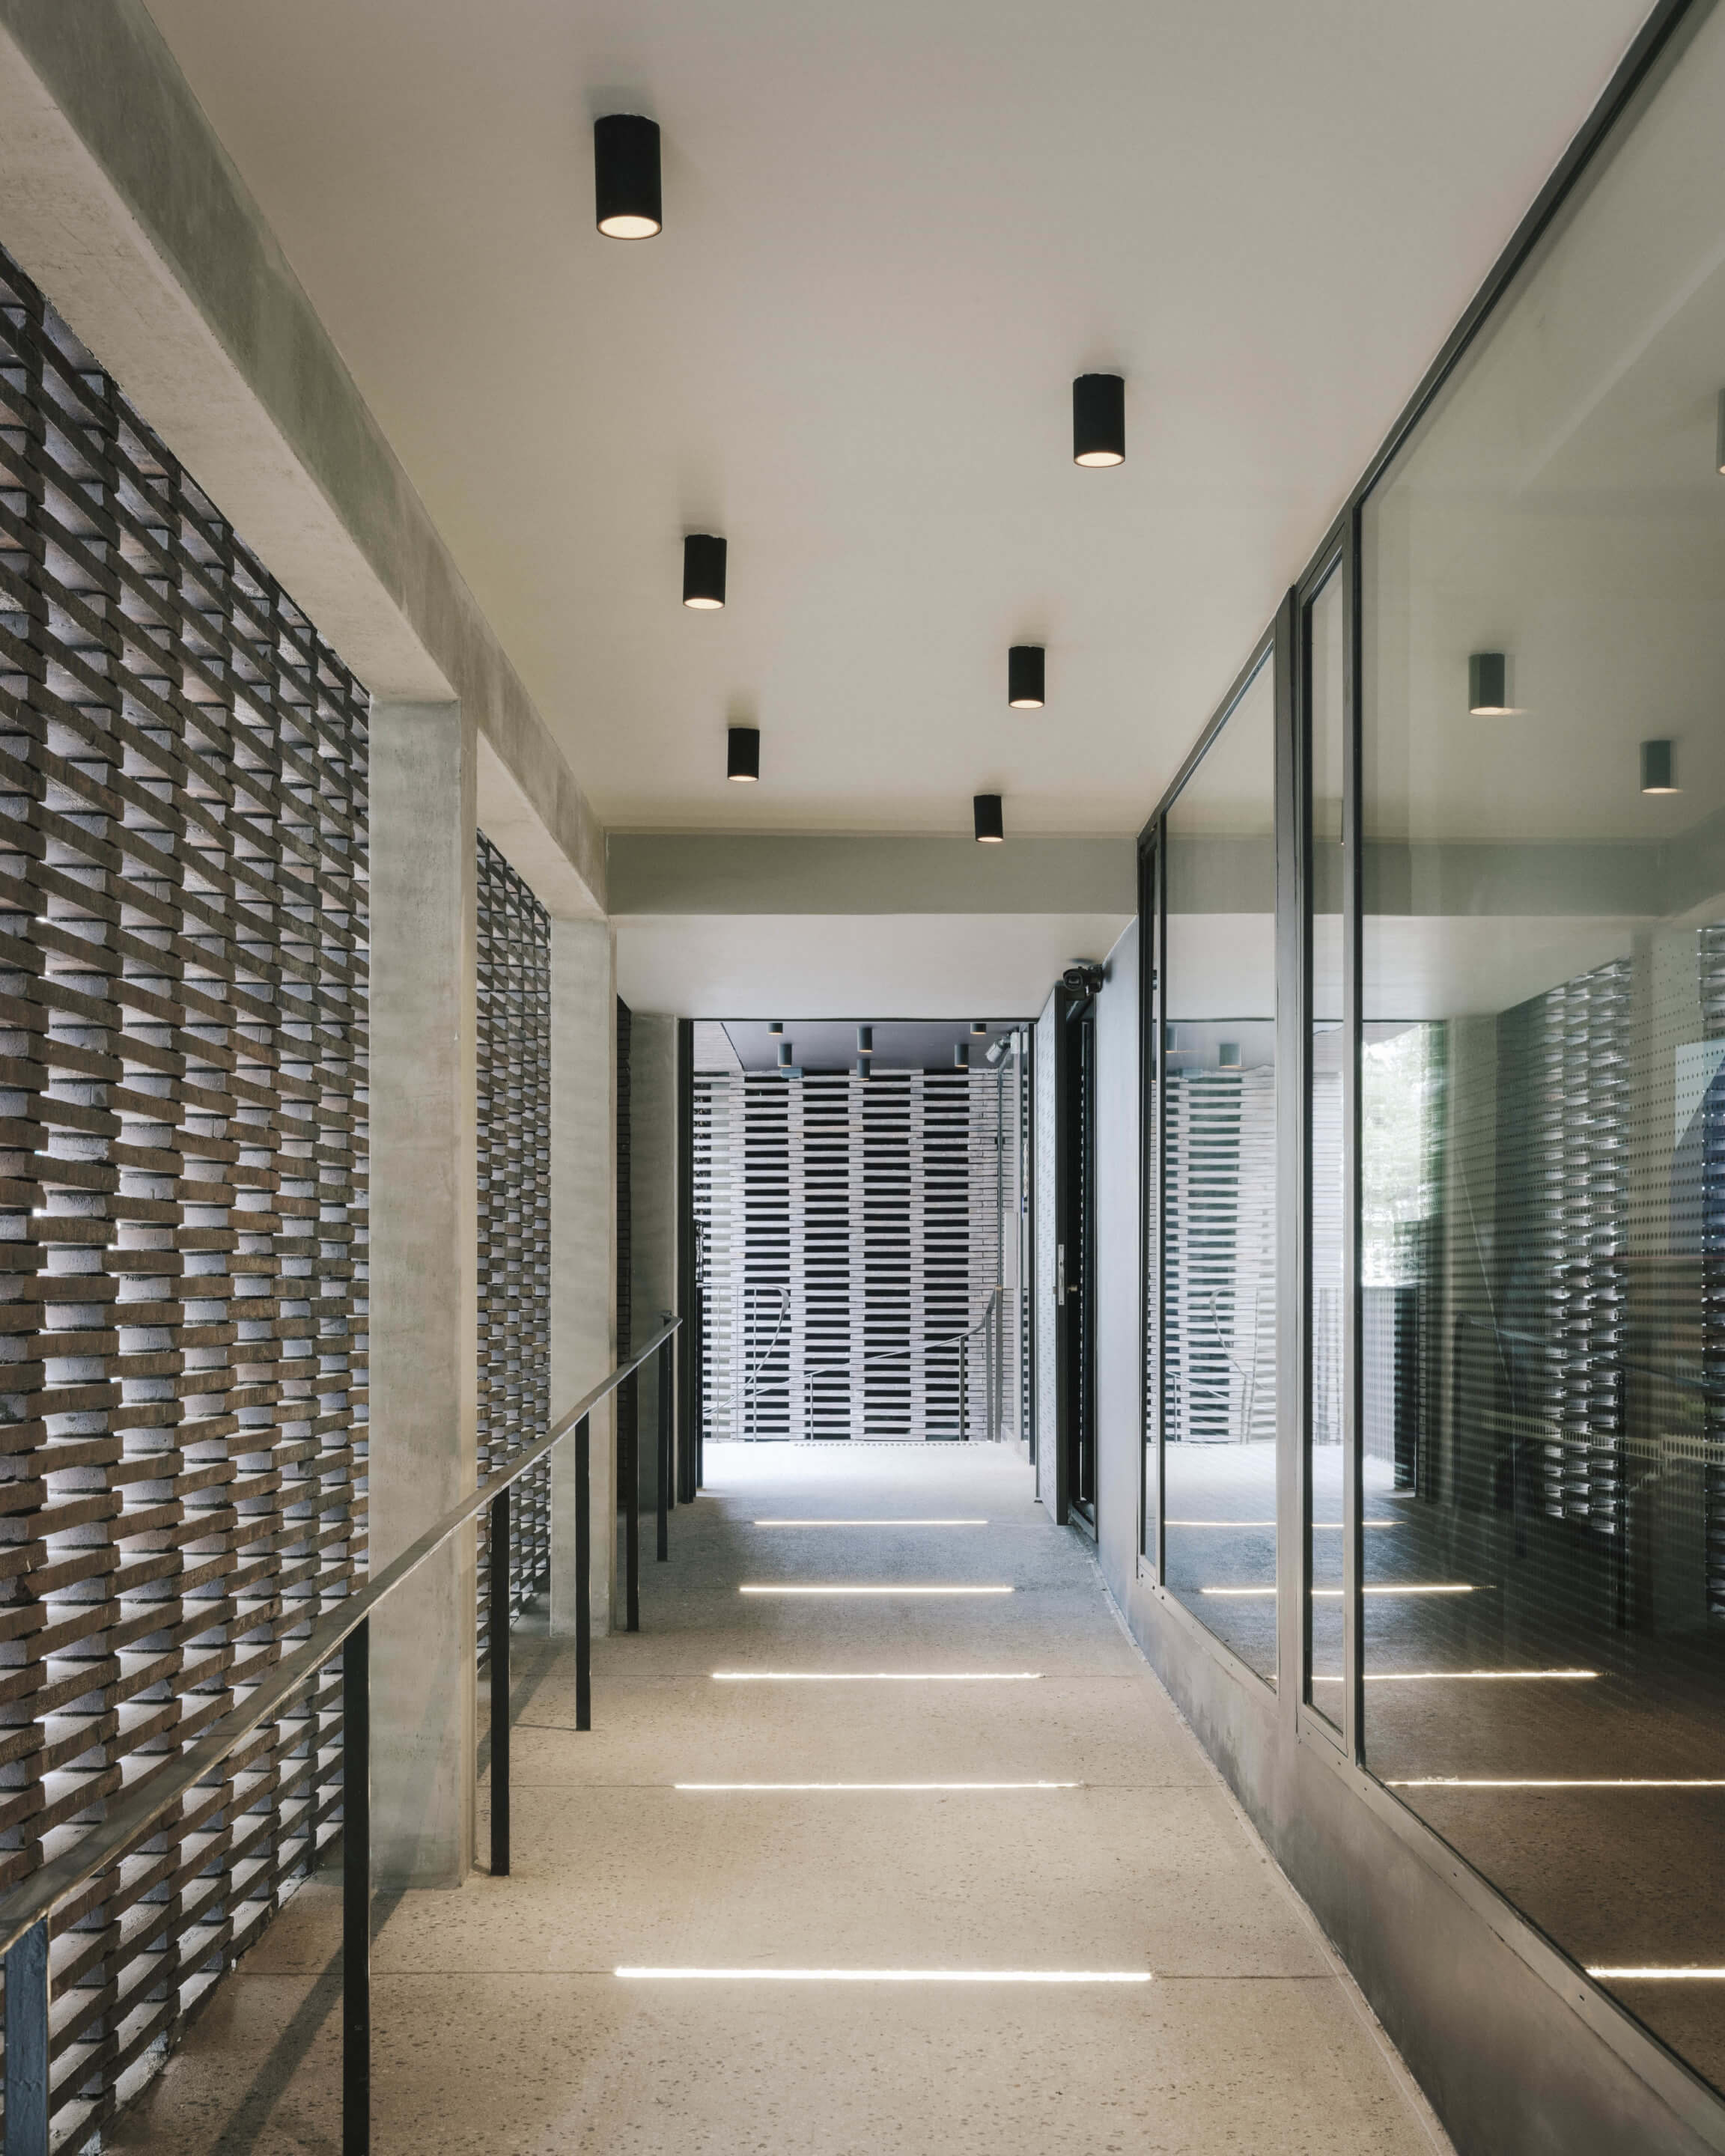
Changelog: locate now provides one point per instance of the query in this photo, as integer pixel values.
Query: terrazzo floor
(502, 2025)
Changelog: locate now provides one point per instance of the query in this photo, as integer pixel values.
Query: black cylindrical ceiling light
(985, 812)
(978, 1026)
(865, 1041)
(625, 170)
(1488, 684)
(775, 1026)
(1658, 767)
(703, 571)
(863, 1066)
(742, 754)
(1025, 673)
(1098, 420)
(785, 1054)
(961, 1055)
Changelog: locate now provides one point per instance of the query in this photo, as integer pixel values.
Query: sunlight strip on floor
(874, 1590)
(1464, 1676)
(869, 1523)
(1552, 1781)
(1664, 1975)
(876, 1786)
(895, 1975)
(876, 1676)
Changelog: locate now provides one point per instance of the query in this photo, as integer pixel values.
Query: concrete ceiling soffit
(117, 199)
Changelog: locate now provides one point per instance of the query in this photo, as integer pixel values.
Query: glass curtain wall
(1543, 1070)
(1502, 922)
(1219, 1183)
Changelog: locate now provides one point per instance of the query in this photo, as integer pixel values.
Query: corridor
(1075, 1827)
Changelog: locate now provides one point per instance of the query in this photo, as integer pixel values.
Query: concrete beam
(424, 1284)
(118, 200)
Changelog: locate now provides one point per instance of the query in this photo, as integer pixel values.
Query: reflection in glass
(1219, 1175)
(1542, 1092)
(1324, 1410)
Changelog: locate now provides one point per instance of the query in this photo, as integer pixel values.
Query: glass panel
(1543, 1089)
(1327, 717)
(1219, 1164)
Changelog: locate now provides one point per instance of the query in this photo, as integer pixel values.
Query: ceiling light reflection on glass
(627, 196)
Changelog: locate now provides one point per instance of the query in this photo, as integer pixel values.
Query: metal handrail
(891, 1354)
(26, 1911)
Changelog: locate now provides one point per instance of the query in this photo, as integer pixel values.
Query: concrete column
(584, 1246)
(652, 1187)
(424, 1230)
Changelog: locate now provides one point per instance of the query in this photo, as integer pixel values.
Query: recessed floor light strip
(894, 1975)
(876, 1786)
(1465, 1676)
(1336, 1524)
(874, 1590)
(1333, 1593)
(876, 1676)
(1552, 1782)
(869, 1523)
(1664, 1975)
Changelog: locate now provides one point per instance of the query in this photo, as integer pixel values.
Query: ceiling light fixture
(1488, 685)
(703, 571)
(892, 1975)
(978, 1026)
(865, 1041)
(1024, 676)
(985, 811)
(1658, 767)
(742, 754)
(864, 1067)
(786, 1055)
(877, 1676)
(625, 169)
(775, 1026)
(1098, 420)
(961, 1055)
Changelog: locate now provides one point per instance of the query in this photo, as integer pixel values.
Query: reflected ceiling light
(1099, 419)
(763, 1787)
(775, 1026)
(1664, 1975)
(1546, 1781)
(1488, 684)
(865, 1041)
(961, 1055)
(869, 1523)
(742, 754)
(1024, 677)
(997, 1050)
(1228, 1055)
(874, 1590)
(979, 1025)
(703, 571)
(895, 1975)
(1336, 1524)
(864, 1066)
(876, 1676)
(1334, 1594)
(985, 811)
(1466, 1676)
(625, 166)
(1658, 767)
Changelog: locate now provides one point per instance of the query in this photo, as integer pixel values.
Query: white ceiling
(894, 233)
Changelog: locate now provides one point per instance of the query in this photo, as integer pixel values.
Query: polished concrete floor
(503, 2025)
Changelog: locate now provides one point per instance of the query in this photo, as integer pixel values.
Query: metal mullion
(1293, 1043)
(1351, 570)
(1158, 906)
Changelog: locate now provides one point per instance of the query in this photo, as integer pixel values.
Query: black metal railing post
(584, 1569)
(662, 1386)
(356, 1895)
(628, 1467)
(27, 2102)
(500, 1684)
